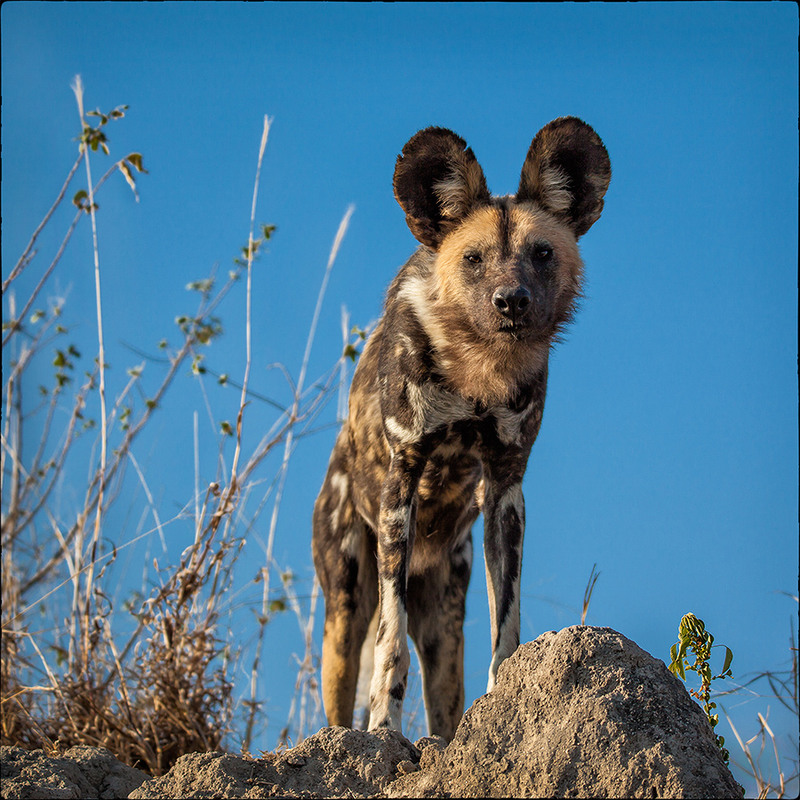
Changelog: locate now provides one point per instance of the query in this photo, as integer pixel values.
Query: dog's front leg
(504, 527)
(396, 526)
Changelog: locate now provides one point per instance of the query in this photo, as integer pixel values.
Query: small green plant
(692, 635)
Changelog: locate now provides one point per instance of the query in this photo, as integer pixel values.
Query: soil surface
(583, 712)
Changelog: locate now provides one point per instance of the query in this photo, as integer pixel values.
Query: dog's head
(508, 267)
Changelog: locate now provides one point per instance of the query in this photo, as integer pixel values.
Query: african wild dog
(445, 405)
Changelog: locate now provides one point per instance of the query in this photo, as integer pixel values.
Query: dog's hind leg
(365, 670)
(345, 563)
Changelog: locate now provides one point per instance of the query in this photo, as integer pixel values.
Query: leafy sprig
(693, 636)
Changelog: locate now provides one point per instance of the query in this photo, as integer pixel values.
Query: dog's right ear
(437, 181)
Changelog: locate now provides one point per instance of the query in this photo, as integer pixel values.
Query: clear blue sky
(668, 453)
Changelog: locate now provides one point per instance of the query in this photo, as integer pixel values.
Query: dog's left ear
(567, 171)
(437, 181)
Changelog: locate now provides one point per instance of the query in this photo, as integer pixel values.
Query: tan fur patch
(483, 370)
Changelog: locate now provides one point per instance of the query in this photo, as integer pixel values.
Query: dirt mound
(579, 713)
(84, 773)
(335, 762)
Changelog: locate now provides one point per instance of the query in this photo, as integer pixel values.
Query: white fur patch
(391, 661)
(366, 668)
(458, 191)
(339, 481)
(404, 346)
(434, 406)
(398, 517)
(351, 542)
(417, 292)
(554, 183)
(400, 432)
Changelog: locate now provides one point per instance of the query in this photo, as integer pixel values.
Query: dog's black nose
(511, 301)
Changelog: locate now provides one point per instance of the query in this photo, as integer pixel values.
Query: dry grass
(775, 778)
(153, 680)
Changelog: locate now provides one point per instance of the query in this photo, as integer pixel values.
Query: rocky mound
(579, 713)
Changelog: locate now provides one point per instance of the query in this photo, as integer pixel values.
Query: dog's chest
(457, 449)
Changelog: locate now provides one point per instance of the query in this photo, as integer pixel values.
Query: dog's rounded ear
(437, 181)
(567, 171)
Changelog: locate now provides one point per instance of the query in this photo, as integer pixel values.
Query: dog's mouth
(516, 329)
(523, 331)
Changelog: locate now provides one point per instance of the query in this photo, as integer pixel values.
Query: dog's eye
(542, 252)
(473, 258)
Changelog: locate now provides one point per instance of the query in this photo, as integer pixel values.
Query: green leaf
(683, 648)
(135, 160)
(79, 197)
(728, 659)
(673, 652)
(227, 428)
(679, 661)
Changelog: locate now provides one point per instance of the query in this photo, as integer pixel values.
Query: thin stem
(14, 326)
(78, 89)
(249, 293)
(23, 259)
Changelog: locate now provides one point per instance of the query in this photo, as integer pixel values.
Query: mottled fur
(445, 405)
